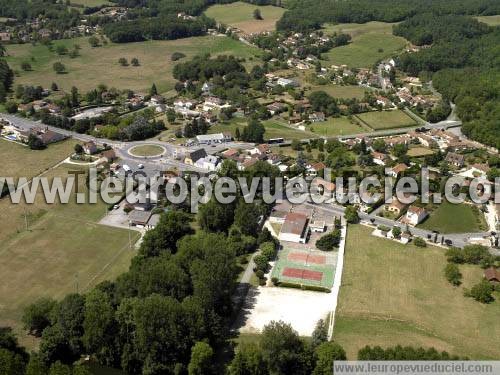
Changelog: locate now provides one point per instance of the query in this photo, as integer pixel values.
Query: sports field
(100, 65)
(337, 127)
(240, 15)
(54, 249)
(380, 120)
(371, 42)
(455, 218)
(305, 267)
(397, 294)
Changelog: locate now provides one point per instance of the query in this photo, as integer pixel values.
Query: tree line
(311, 14)
(6, 78)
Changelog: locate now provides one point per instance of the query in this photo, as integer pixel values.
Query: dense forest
(59, 14)
(159, 28)
(465, 60)
(311, 14)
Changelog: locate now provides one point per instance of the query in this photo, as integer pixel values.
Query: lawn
(356, 29)
(64, 249)
(336, 127)
(419, 151)
(455, 218)
(21, 161)
(147, 150)
(490, 20)
(274, 129)
(240, 15)
(380, 120)
(343, 92)
(366, 49)
(396, 294)
(100, 65)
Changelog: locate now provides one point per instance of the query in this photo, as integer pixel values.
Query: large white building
(206, 139)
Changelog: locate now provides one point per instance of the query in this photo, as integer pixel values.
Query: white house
(209, 162)
(415, 215)
(287, 82)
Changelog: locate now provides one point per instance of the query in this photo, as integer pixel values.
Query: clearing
(274, 129)
(366, 49)
(63, 250)
(466, 218)
(240, 15)
(397, 294)
(380, 120)
(87, 70)
(419, 151)
(490, 20)
(339, 126)
(301, 308)
(343, 92)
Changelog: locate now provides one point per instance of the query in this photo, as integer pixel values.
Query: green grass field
(490, 20)
(274, 129)
(336, 127)
(62, 248)
(419, 151)
(20, 161)
(100, 65)
(356, 29)
(380, 120)
(240, 15)
(455, 218)
(366, 49)
(283, 262)
(397, 294)
(344, 92)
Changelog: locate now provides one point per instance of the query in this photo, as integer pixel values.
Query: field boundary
(337, 280)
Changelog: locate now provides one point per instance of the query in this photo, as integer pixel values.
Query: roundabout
(147, 151)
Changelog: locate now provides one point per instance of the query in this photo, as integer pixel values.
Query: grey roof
(139, 217)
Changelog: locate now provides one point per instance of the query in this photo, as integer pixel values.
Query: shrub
(452, 274)
(259, 274)
(396, 232)
(383, 228)
(177, 56)
(420, 242)
(275, 280)
(268, 250)
(262, 282)
(261, 262)
(481, 292)
(11, 107)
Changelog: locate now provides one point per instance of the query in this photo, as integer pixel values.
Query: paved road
(459, 239)
(151, 164)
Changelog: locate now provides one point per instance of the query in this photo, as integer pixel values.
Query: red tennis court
(307, 258)
(300, 273)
